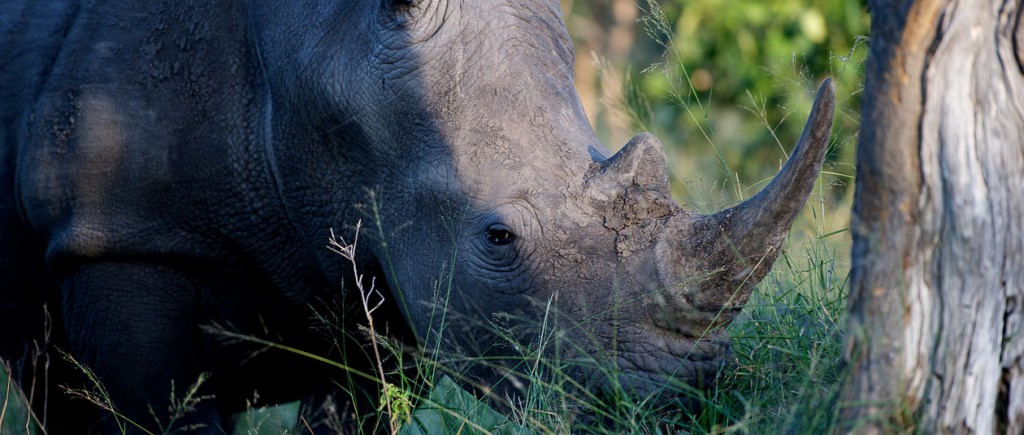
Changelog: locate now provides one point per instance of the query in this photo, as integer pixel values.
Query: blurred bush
(725, 84)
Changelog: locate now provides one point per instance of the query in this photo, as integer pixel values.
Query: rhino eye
(500, 235)
(403, 6)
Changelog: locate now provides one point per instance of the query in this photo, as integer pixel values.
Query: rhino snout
(662, 368)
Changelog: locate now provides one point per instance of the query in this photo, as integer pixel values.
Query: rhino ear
(639, 165)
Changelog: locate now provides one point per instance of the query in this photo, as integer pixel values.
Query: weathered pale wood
(935, 329)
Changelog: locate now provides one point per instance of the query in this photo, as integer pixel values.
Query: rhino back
(140, 131)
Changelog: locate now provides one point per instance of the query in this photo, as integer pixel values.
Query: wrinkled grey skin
(171, 166)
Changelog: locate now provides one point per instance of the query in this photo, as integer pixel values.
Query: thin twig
(348, 251)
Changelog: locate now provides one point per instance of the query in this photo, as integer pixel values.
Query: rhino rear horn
(638, 166)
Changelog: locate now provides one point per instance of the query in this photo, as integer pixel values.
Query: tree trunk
(936, 326)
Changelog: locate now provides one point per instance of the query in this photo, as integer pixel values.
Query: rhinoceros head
(635, 286)
(496, 205)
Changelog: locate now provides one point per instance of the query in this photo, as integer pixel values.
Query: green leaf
(450, 409)
(15, 415)
(275, 419)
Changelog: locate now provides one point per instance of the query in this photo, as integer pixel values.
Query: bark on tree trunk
(936, 325)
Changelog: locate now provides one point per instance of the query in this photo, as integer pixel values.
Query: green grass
(788, 344)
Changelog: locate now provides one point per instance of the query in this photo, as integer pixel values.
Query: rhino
(166, 166)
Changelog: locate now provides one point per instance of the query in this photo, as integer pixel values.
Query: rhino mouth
(663, 369)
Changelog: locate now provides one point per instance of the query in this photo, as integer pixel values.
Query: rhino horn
(638, 166)
(708, 264)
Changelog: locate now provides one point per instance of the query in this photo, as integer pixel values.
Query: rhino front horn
(710, 264)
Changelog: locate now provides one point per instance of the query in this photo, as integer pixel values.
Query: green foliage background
(725, 84)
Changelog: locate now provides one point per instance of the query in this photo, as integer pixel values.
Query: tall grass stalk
(96, 394)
